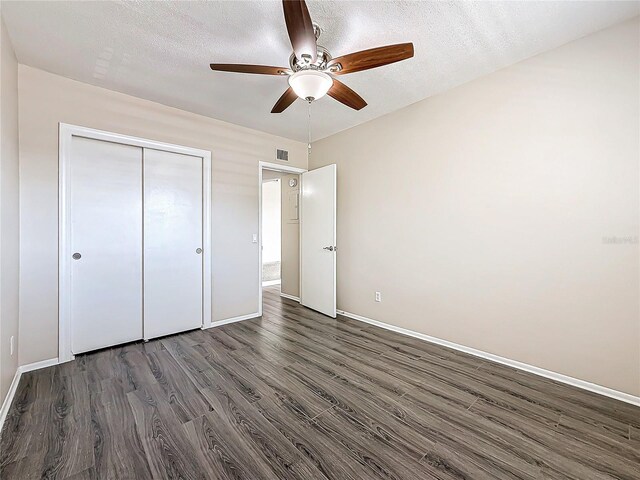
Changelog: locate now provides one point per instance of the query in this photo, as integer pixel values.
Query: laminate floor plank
(24, 427)
(166, 445)
(243, 380)
(225, 456)
(335, 331)
(551, 399)
(284, 386)
(262, 441)
(425, 347)
(314, 443)
(26, 468)
(69, 436)
(610, 408)
(266, 345)
(371, 448)
(443, 380)
(461, 434)
(194, 366)
(524, 440)
(116, 442)
(179, 392)
(88, 474)
(336, 357)
(409, 432)
(600, 438)
(351, 395)
(295, 394)
(561, 453)
(368, 411)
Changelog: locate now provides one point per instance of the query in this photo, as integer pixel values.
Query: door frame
(66, 134)
(277, 168)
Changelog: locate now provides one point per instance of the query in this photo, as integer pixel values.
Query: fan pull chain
(309, 130)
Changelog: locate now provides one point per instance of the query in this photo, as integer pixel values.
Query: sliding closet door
(105, 181)
(172, 243)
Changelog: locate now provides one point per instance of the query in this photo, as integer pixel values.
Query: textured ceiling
(161, 50)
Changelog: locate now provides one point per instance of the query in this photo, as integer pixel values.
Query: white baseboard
(226, 321)
(9, 398)
(559, 377)
(4, 410)
(38, 365)
(290, 297)
(269, 283)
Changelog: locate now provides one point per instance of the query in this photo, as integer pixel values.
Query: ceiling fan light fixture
(310, 84)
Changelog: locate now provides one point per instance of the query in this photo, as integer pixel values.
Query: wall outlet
(11, 342)
(378, 297)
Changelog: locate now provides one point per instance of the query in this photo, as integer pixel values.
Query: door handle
(198, 251)
(331, 248)
(76, 256)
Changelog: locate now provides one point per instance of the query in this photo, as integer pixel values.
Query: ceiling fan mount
(323, 57)
(312, 69)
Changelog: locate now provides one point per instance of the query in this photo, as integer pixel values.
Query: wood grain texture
(372, 58)
(285, 100)
(340, 92)
(300, 28)
(255, 69)
(297, 395)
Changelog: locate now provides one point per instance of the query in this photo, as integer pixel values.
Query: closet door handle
(76, 256)
(198, 251)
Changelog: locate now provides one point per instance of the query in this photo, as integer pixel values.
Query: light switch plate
(255, 238)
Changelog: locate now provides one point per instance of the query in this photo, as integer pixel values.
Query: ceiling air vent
(282, 155)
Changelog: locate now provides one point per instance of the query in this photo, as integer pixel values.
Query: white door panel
(106, 230)
(172, 235)
(318, 240)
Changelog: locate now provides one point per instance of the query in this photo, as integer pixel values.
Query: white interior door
(106, 243)
(318, 240)
(173, 266)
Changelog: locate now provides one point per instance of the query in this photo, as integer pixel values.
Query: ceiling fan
(312, 69)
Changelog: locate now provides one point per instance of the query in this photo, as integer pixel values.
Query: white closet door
(172, 243)
(106, 244)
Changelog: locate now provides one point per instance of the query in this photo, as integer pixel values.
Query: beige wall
(47, 99)
(290, 266)
(9, 212)
(480, 213)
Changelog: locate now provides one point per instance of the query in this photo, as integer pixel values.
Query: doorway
(271, 228)
(279, 231)
(307, 220)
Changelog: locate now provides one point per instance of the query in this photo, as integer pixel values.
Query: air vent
(282, 155)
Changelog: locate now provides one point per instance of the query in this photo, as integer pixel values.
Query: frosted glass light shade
(310, 84)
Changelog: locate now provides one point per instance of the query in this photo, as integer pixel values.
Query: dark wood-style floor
(299, 395)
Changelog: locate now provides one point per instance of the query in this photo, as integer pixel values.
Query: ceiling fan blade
(284, 101)
(300, 28)
(258, 69)
(372, 58)
(344, 94)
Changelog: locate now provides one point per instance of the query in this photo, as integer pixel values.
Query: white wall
(483, 214)
(271, 221)
(46, 100)
(9, 211)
